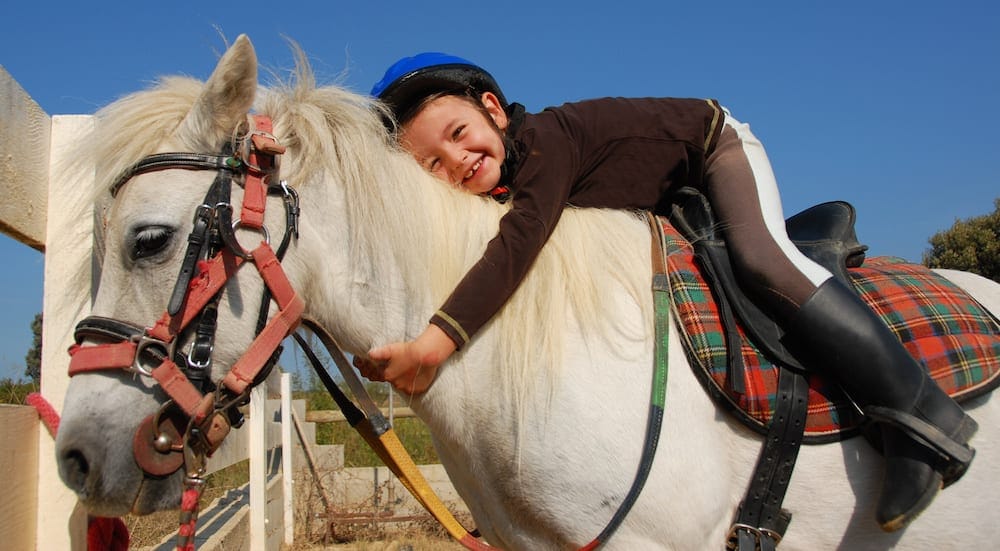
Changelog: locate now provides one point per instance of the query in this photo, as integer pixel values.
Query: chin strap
(501, 194)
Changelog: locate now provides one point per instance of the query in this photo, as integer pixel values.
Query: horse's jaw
(94, 447)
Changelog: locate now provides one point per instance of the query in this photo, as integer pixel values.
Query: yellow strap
(391, 451)
(408, 473)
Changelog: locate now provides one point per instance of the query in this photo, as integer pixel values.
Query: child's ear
(493, 106)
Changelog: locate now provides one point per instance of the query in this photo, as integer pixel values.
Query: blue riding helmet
(411, 79)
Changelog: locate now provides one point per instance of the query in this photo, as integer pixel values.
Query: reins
(198, 415)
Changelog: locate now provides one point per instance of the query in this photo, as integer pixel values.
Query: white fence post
(67, 259)
(257, 450)
(287, 451)
(42, 209)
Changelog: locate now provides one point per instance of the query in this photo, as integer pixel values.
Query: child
(628, 153)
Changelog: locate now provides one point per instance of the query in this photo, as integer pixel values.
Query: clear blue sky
(891, 105)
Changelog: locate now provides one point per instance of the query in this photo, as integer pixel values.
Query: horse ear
(226, 98)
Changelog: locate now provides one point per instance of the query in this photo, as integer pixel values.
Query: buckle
(758, 533)
(157, 349)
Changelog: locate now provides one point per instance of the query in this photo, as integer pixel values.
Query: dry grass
(418, 542)
(150, 530)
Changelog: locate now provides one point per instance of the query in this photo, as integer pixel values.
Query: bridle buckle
(157, 348)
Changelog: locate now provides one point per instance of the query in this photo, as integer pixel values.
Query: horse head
(176, 230)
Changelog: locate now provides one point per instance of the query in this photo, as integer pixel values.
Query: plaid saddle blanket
(943, 327)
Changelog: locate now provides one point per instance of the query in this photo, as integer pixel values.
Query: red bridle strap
(121, 355)
(175, 383)
(203, 288)
(100, 357)
(290, 306)
(260, 160)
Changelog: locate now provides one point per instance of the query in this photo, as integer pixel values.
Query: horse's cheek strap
(254, 197)
(207, 283)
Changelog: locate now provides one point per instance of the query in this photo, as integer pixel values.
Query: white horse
(539, 421)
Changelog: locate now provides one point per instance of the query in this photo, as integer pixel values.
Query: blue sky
(890, 105)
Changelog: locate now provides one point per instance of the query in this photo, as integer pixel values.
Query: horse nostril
(75, 469)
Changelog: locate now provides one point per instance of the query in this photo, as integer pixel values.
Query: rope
(47, 413)
(103, 534)
(189, 517)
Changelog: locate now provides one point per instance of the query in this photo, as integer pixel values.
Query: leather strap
(378, 433)
(162, 161)
(290, 305)
(760, 520)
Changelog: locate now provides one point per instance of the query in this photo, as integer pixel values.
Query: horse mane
(336, 137)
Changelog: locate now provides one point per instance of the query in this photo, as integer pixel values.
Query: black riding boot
(924, 432)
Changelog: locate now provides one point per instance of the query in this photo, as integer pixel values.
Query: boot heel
(957, 454)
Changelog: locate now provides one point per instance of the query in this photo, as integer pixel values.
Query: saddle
(824, 233)
(739, 354)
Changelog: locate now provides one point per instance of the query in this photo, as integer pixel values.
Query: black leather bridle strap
(162, 161)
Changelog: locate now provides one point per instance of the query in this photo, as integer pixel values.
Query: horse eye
(150, 241)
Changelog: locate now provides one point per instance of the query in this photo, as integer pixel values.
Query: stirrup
(954, 449)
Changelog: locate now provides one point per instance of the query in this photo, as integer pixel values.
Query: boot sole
(902, 520)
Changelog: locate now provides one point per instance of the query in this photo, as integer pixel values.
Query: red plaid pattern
(943, 327)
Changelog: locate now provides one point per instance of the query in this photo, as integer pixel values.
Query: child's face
(454, 140)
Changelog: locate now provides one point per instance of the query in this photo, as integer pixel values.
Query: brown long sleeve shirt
(610, 153)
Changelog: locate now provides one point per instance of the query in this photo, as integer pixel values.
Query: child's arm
(410, 366)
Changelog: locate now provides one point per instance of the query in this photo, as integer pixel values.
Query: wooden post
(258, 467)
(287, 451)
(69, 232)
(24, 171)
(19, 430)
(42, 209)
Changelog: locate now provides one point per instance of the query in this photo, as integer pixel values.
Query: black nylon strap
(196, 245)
(200, 240)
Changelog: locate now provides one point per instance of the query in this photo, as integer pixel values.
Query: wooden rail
(335, 416)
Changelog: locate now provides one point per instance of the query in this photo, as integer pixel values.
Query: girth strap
(760, 521)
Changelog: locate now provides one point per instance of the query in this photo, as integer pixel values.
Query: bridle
(199, 413)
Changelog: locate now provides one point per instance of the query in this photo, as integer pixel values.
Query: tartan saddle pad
(944, 328)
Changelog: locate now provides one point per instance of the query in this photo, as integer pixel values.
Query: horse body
(540, 420)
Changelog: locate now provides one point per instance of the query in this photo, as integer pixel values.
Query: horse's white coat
(540, 420)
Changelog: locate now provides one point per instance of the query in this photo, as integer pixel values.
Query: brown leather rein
(198, 415)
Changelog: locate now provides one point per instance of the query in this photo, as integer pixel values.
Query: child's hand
(409, 366)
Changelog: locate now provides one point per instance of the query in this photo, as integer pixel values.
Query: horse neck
(389, 242)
